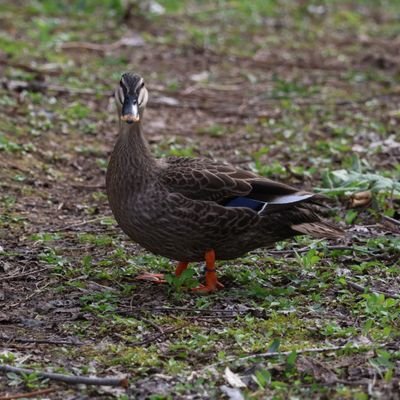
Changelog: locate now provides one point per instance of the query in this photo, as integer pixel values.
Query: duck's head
(131, 97)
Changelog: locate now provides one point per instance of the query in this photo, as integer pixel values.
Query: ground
(305, 92)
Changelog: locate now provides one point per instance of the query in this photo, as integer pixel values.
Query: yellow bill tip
(130, 118)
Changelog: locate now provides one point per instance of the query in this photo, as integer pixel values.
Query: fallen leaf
(200, 77)
(232, 393)
(168, 101)
(233, 379)
(132, 41)
(318, 369)
(360, 199)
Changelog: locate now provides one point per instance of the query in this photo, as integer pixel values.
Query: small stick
(356, 286)
(39, 341)
(35, 293)
(158, 336)
(22, 275)
(99, 47)
(286, 353)
(361, 289)
(183, 309)
(91, 46)
(304, 249)
(68, 227)
(151, 323)
(72, 379)
(36, 393)
(88, 187)
(28, 68)
(40, 86)
(390, 219)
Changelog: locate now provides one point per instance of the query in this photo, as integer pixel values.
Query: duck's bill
(130, 110)
(130, 118)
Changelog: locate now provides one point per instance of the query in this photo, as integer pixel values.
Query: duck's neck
(132, 159)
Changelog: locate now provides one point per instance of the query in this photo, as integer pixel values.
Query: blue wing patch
(255, 205)
(263, 207)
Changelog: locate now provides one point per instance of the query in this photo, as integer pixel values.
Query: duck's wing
(203, 179)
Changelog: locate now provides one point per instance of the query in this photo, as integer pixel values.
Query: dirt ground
(301, 92)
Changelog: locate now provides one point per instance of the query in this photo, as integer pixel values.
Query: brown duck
(197, 209)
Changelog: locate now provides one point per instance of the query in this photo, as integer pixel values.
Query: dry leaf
(233, 379)
(232, 393)
(360, 199)
(318, 369)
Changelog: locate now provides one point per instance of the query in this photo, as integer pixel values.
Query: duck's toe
(209, 287)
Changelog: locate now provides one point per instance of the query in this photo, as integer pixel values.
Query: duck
(198, 209)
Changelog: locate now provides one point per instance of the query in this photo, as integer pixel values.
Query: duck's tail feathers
(320, 229)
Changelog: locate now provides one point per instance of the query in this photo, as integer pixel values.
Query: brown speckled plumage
(176, 207)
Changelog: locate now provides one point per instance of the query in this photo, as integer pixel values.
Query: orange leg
(181, 267)
(159, 278)
(212, 283)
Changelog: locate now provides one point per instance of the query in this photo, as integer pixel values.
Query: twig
(99, 47)
(361, 289)
(210, 317)
(22, 275)
(104, 47)
(47, 70)
(183, 309)
(285, 353)
(39, 341)
(36, 86)
(305, 249)
(68, 227)
(89, 187)
(153, 338)
(212, 314)
(151, 323)
(298, 64)
(68, 378)
(356, 287)
(35, 293)
(390, 219)
(366, 99)
(36, 393)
